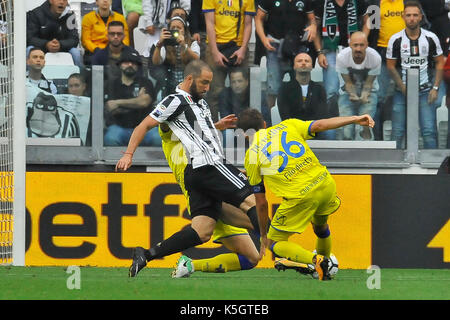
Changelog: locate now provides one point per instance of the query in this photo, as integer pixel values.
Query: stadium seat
(442, 124)
(387, 130)
(316, 73)
(140, 40)
(275, 115)
(58, 58)
(60, 74)
(263, 69)
(442, 134)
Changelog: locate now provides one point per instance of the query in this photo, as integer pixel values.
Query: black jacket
(291, 105)
(43, 26)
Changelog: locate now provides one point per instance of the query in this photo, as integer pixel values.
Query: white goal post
(12, 132)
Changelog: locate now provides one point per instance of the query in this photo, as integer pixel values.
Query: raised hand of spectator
(165, 34)
(312, 31)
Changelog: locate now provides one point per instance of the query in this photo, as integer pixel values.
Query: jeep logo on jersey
(205, 113)
(230, 13)
(412, 61)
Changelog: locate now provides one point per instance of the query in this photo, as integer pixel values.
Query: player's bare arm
(263, 219)
(136, 137)
(337, 122)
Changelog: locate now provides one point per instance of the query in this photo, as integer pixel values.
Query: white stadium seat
(58, 58)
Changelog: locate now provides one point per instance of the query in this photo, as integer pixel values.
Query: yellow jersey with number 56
(280, 156)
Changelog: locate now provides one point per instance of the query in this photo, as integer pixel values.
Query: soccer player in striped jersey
(280, 157)
(208, 178)
(244, 254)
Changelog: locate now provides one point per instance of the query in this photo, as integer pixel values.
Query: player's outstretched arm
(337, 122)
(136, 137)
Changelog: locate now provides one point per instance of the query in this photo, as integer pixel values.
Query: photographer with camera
(175, 49)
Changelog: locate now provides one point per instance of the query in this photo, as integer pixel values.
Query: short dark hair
(78, 76)
(195, 68)
(413, 3)
(250, 119)
(241, 70)
(34, 49)
(116, 23)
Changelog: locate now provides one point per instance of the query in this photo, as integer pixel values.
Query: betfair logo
(230, 13)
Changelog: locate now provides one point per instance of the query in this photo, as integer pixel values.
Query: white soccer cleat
(184, 268)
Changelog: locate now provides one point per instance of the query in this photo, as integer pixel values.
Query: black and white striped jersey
(417, 54)
(191, 122)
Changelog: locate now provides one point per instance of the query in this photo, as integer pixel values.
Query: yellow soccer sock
(221, 263)
(323, 246)
(292, 251)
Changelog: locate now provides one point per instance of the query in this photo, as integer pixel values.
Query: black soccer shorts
(210, 185)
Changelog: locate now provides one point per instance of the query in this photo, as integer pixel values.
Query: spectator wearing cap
(175, 50)
(128, 100)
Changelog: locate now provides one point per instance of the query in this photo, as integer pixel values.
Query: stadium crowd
(323, 57)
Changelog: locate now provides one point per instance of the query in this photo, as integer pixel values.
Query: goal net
(12, 140)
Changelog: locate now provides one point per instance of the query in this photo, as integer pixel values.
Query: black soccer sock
(179, 241)
(253, 215)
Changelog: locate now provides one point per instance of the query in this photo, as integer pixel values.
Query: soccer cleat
(284, 264)
(139, 262)
(184, 268)
(321, 267)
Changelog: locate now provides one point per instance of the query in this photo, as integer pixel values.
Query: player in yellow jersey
(280, 157)
(244, 254)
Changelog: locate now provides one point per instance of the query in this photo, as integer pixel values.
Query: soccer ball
(333, 266)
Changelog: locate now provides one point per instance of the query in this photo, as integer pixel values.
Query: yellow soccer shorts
(223, 230)
(294, 215)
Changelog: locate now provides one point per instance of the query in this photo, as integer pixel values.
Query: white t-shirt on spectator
(358, 72)
(194, 47)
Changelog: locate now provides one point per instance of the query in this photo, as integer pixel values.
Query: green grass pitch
(49, 283)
